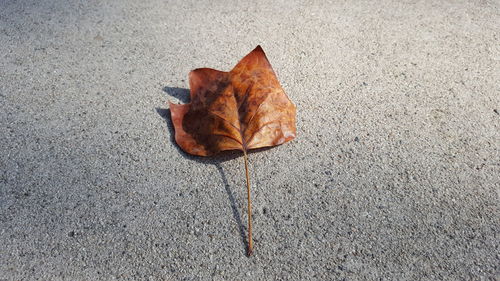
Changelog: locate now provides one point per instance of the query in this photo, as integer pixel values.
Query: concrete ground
(394, 174)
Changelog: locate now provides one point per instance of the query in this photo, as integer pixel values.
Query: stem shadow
(236, 213)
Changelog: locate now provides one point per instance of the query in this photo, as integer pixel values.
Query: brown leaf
(242, 109)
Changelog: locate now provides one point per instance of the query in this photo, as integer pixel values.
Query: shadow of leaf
(181, 94)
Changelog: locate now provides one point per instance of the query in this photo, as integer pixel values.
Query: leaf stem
(250, 242)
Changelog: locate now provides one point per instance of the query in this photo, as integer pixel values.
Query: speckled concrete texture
(394, 174)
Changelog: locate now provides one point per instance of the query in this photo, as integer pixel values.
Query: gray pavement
(394, 174)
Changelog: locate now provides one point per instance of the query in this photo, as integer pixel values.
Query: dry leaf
(242, 109)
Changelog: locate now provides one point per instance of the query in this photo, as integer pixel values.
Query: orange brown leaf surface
(242, 109)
